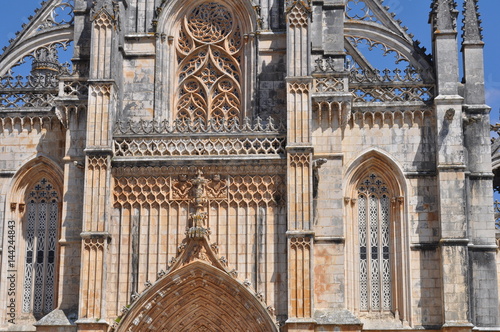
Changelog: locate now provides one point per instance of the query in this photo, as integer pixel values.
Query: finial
(472, 23)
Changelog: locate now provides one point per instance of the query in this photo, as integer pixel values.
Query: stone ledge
(300, 233)
(483, 247)
(56, 318)
(454, 242)
(95, 235)
(336, 317)
(7, 174)
(424, 246)
(487, 329)
(329, 239)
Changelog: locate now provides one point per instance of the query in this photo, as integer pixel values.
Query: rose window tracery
(209, 70)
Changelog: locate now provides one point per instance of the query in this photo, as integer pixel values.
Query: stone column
(482, 249)
(299, 152)
(450, 169)
(100, 114)
(72, 114)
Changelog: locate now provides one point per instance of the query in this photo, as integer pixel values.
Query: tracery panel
(374, 245)
(245, 211)
(209, 46)
(40, 251)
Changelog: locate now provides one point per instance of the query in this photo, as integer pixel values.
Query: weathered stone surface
(238, 166)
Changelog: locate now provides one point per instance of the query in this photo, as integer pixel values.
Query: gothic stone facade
(242, 165)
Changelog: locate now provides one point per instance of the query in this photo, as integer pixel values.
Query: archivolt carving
(156, 206)
(209, 70)
(197, 297)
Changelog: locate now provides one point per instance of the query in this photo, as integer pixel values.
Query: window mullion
(363, 247)
(385, 255)
(375, 268)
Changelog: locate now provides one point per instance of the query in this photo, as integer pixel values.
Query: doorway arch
(197, 297)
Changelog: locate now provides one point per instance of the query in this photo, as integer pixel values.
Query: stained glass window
(374, 245)
(209, 65)
(41, 230)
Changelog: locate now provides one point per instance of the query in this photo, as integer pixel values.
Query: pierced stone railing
(71, 88)
(29, 82)
(183, 138)
(217, 146)
(391, 86)
(142, 127)
(36, 91)
(406, 76)
(373, 94)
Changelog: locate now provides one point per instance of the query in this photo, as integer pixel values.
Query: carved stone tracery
(202, 290)
(209, 71)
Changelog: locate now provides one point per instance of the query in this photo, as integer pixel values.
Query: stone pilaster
(482, 250)
(300, 282)
(299, 152)
(100, 114)
(451, 168)
(72, 208)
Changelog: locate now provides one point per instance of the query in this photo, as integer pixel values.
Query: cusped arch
(172, 11)
(30, 173)
(197, 296)
(42, 30)
(378, 161)
(239, 65)
(379, 33)
(59, 35)
(376, 164)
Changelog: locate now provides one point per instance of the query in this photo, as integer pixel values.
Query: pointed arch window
(209, 55)
(41, 234)
(375, 284)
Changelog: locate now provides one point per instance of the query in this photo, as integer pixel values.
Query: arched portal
(197, 297)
